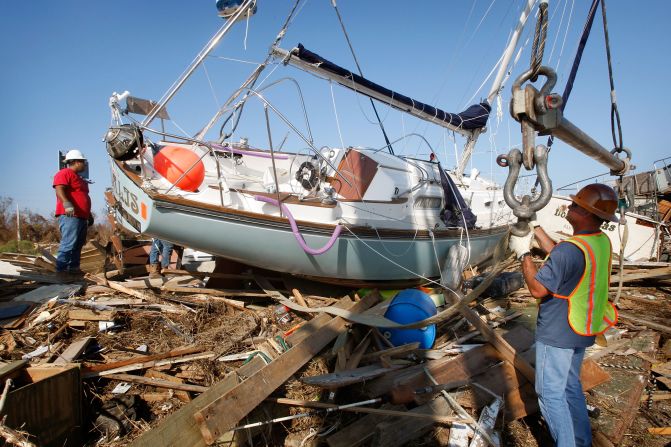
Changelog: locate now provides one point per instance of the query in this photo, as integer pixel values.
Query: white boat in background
(647, 215)
(643, 240)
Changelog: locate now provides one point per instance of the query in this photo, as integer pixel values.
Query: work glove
(521, 245)
(69, 209)
(89, 221)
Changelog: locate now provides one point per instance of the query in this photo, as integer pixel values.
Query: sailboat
(349, 215)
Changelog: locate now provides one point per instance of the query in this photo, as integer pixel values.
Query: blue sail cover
(474, 117)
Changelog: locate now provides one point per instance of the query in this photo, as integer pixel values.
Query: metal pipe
(573, 136)
(244, 8)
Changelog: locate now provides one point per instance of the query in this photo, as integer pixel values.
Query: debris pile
(119, 358)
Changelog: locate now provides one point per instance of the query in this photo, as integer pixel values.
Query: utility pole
(18, 229)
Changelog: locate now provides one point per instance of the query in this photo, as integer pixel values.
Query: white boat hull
(642, 241)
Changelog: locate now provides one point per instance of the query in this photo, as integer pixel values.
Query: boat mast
(214, 41)
(496, 85)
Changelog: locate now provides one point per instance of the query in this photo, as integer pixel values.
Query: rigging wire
(556, 36)
(568, 25)
(356, 62)
(614, 112)
(540, 35)
(366, 207)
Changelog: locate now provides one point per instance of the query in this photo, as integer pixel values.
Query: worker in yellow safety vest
(572, 288)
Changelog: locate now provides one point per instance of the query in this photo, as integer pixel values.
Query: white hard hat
(74, 154)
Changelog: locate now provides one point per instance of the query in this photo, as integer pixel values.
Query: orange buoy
(172, 162)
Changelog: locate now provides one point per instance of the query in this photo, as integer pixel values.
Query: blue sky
(62, 60)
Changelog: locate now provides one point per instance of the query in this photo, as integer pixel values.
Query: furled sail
(474, 117)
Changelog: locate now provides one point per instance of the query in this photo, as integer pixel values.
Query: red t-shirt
(78, 191)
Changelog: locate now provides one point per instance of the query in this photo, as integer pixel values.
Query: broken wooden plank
(47, 254)
(91, 315)
(45, 293)
(659, 430)
(299, 298)
(398, 431)
(360, 431)
(45, 278)
(120, 288)
(214, 292)
(502, 346)
(160, 383)
(154, 363)
(461, 367)
(391, 352)
(623, 392)
(12, 369)
(344, 378)
(657, 274)
(74, 350)
(486, 421)
(650, 324)
(140, 359)
(181, 395)
(222, 415)
(178, 429)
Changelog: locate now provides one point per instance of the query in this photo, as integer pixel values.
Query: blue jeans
(73, 237)
(560, 394)
(162, 247)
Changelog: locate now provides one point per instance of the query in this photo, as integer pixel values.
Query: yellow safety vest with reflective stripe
(589, 311)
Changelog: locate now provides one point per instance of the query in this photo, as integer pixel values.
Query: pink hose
(294, 228)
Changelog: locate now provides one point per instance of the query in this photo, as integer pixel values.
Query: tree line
(34, 228)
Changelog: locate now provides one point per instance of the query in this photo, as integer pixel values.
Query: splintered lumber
(222, 414)
(505, 349)
(160, 383)
(48, 255)
(648, 323)
(120, 288)
(213, 292)
(400, 430)
(659, 430)
(178, 429)
(656, 274)
(181, 395)
(461, 367)
(299, 298)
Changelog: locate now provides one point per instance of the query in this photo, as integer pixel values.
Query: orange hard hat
(598, 199)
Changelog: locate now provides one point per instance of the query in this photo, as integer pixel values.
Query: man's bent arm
(529, 271)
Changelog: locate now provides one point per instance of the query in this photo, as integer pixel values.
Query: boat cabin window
(426, 202)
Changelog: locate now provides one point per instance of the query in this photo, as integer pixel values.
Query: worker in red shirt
(73, 210)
